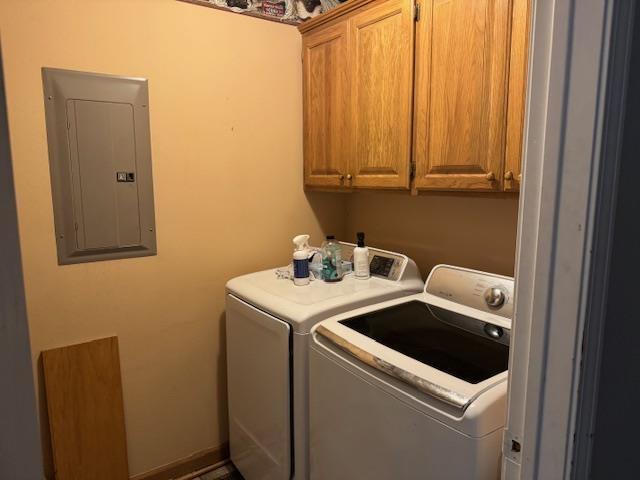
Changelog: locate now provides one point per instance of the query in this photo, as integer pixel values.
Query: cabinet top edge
(323, 18)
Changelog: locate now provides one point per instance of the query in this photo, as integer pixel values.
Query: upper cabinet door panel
(460, 112)
(381, 94)
(326, 112)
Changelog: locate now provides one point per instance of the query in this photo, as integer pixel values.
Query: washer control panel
(480, 290)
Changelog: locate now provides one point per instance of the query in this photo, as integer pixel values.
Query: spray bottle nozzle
(301, 242)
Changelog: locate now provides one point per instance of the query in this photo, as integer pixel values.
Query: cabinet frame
(517, 95)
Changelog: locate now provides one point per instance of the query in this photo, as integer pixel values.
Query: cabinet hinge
(416, 12)
(412, 171)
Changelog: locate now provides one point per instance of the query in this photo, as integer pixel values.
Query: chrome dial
(495, 297)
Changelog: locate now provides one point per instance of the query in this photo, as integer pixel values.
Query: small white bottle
(301, 260)
(361, 259)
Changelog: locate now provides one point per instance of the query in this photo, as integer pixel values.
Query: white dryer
(414, 388)
(268, 321)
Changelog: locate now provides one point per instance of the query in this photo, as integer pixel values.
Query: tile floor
(225, 472)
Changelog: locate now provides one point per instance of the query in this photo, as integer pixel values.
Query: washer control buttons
(493, 331)
(381, 266)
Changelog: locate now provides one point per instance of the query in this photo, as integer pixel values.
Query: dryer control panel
(383, 264)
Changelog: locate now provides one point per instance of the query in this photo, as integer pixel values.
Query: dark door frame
(20, 447)
(569, 210)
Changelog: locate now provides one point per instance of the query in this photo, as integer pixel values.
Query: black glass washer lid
(413, 330)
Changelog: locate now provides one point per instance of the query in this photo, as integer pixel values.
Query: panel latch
(125, 177)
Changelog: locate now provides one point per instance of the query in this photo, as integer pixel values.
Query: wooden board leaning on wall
(86, 411)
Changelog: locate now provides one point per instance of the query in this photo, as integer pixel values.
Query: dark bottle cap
(331, 237)
(360, 236)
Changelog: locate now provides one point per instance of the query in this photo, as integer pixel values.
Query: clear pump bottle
(331, 260)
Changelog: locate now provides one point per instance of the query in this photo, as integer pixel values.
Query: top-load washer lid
(413, 330)
(451, 342)
(303, 306)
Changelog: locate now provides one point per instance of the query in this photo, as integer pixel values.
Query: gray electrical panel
(100, 163)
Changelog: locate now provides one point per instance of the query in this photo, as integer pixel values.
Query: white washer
(268, 321)
(414, 388)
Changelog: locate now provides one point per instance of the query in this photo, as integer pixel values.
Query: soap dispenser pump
(361, 259)
(301, 260)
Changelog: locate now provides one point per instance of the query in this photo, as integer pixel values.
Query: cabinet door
(460, 113)
(517, 94)
(326, 106)
(381, 52)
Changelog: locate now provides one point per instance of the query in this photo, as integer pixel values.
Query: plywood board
(86, 413)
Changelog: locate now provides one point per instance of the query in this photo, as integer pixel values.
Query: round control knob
(494, 297)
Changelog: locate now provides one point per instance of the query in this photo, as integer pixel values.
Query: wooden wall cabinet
(455, 123)
(358, 94)
(326, 100)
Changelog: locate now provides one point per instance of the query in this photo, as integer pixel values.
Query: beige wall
(225, 103)
(475, 231)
